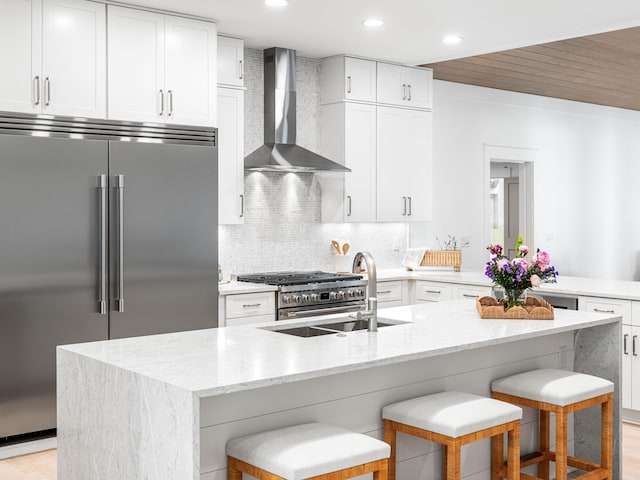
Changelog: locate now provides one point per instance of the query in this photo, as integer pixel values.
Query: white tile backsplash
(282, 229)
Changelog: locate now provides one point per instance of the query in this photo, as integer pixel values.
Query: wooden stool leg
(383, 473)
(513, 453)
(452, 461)
(561, 446)
(390, 438)
(606, 439)
(497, 457)
(232, 470)
(544, 443)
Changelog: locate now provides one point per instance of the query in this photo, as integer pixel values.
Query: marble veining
(218, 361)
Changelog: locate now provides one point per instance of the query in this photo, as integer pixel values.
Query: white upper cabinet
(347, 78)
(161, 68)
(404, 165)
(230, 61)
(404, 86)
(231, 156)
(54, 57)
(348, 136)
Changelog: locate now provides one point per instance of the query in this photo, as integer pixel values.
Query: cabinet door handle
(242, 205)
(241, 70)
(603, 311)
(437, 292)
(404, 91)
(161, 103)
(633, 346)
(349, 205)
(47, 91)
(251, 305)
(626, 352)
(409, 214)
(170, 95)
(404, 206)
(348, 83)
(36, 87)
(409, 89)
(383, 291)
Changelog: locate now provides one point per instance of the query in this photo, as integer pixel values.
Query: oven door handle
(320, 311)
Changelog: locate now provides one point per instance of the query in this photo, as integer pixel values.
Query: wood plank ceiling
(603, 69)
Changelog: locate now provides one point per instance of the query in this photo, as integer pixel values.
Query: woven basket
(443, 258)
(535, 309)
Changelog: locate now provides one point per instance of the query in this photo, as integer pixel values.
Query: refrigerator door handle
(102, 199)
(120, 257)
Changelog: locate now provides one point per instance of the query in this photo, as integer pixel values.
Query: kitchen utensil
(336, 247)
(345, 248)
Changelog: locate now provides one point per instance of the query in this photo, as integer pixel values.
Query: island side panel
(598, 352)
(355, 399)
(114, 424)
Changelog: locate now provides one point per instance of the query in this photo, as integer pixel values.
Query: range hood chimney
(280, 152)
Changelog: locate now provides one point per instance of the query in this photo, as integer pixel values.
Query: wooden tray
(535, 309)
(443, 258)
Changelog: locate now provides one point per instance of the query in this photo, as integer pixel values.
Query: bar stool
(453, 419)
(561, 392)
(308, 451)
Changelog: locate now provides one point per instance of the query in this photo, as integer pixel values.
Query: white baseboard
(28, 447)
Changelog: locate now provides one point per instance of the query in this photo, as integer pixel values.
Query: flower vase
(514, 297)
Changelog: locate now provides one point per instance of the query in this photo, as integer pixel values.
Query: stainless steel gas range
(305, 294)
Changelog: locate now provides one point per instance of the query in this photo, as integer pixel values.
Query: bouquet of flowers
(517, 275)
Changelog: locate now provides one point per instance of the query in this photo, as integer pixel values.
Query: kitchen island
(163, 406)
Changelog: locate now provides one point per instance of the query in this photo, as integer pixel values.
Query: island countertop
(231, 359)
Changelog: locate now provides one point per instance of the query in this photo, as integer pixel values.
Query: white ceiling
(413, 30)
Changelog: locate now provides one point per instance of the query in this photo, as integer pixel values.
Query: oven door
(318, 310)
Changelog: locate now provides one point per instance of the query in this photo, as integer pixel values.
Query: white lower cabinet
(392, 293)
(432, 291)
(247, 308)
(629, 311)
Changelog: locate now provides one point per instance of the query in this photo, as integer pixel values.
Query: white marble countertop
(233, 287)
(223, 360)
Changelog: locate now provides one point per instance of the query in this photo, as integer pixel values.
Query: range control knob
(286, 299)
(340, 294)
(315, 297)
(333, 295)
(296, 298)
(305, 297)
(360, 292)
(351, 293)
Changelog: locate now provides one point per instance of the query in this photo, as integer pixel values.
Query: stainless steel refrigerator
(107, 230)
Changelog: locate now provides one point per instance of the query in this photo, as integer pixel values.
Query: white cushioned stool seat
(452, 413)
(557, 387)
(307, 450)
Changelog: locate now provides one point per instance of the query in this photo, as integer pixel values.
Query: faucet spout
(372, 287)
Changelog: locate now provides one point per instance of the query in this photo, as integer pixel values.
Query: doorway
(509, 196)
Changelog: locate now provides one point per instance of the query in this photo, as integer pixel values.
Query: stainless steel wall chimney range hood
(280, 152)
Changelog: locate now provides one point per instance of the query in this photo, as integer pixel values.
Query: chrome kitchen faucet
(371, 313)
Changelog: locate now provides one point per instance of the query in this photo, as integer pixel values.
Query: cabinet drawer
(250, 304)
(389, 291)
(471, 292)
(605, 305)
(433, 292)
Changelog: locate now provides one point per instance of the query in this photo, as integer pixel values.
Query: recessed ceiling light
(452, 39)
(276, 3)
(373, 22)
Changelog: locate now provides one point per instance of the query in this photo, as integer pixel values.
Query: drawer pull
(384, 291)
(468, 295)
(437, 292)
(633, 345)
(603, 311)
(251, 305)
(626, 352)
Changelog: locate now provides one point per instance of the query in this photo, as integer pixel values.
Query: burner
(296, 278)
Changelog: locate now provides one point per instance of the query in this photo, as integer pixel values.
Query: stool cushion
(307, 450)
(557, 387)
(453, 414)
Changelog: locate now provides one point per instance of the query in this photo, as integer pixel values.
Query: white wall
(586, 176)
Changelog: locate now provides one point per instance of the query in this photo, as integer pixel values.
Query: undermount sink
(336, 326)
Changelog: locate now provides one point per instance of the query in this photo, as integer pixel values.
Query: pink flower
(535, 280)
(502, 263)
(523, 250)
(542, 258)
(521, 261)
